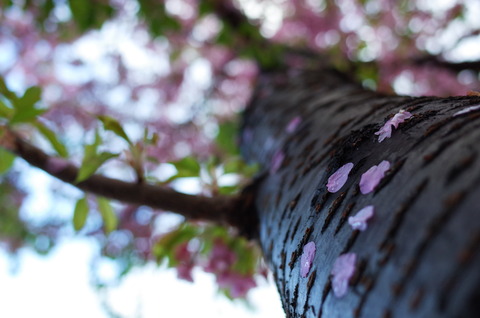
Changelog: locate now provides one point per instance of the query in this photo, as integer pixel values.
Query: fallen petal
(339, 178)
(277, 161)
(342, 271)
(307, 258)
(386, 130)
(372, 177)
(293, 124)
(359, 220)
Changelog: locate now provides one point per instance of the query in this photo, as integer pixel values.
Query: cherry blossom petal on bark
(370, 179)
(307, 258)
(466, 110)
(386, 130)
(293, 124)
(338, 179)
(342, 271)
(359, 220)
(277, 161)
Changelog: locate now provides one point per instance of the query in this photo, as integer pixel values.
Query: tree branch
(225, 210)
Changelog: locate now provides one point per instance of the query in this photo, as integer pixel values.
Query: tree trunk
(419, 256)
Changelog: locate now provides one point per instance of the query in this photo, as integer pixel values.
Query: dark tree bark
(420, 255)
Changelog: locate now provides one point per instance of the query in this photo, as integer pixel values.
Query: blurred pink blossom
(221, 258)
(237, 284)
(185, 259)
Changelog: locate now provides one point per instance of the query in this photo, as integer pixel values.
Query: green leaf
(187, 167)
(164, 248)
(156, 17)
(5, 111)
(227, 190)
(26, 115)
(5, 91)
(110, 220)
(93, 160)
(225, 36)
(227, 136)
(6, 3)
(205, 7)
(90, 14)
(52, 138)
(91, 149)
(250, 170)
(247, 256)
(80, 214)
(233, 165)
(149, 138)
(91, 164)
(113, 125)
(32, 95)
(6, 160)
(24, 107)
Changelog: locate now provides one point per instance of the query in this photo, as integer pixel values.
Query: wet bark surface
(420, 256)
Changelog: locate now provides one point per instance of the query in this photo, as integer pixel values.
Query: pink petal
(370, 179)
(338, 179)
(307, 258)
(359, 220)
(293, 124)
(466, 110)
(386, 130)
(342, 271)
(277, 161)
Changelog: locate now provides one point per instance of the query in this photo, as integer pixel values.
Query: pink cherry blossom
(221, 262)
(307, 258)
(338, 179)
(237, 284)
(359, 220)
(293, 124)
(370, 179)
(220, 259)
(386, 130)
(342, 271)
(466, 110)
(185, 259)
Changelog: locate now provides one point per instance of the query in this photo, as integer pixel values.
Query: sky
(58, 285)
